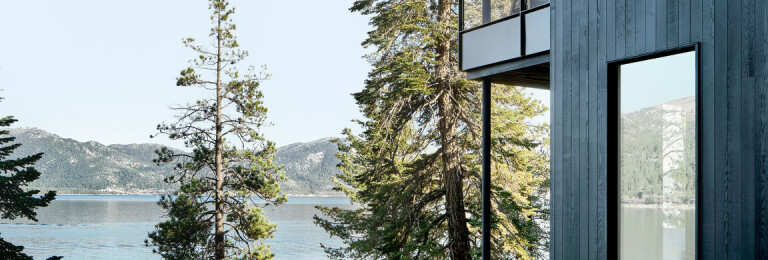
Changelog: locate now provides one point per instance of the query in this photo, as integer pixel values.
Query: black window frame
(613, 202)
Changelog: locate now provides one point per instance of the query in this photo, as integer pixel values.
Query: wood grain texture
(761, 180)
(621, 29)
(650, 25)
(661, 24)
(536, 76)
(556, 139)
(592, 151)
(696, 14)
(630, 16)
(574, 123)
(610, 24)
(639, 23)
(734, 168)
(732, 216)
(672, 23)
(748, 127)
(582, 153)
(602, 52)
(722, 178)
(706, 217)
(684, 21)
(567, 236)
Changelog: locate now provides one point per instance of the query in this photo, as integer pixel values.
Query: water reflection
(651, 240)
(114, 227)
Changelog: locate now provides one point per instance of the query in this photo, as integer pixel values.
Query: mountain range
(73, 167)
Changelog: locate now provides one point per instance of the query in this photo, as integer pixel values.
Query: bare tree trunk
(458, 233)
(219, 236)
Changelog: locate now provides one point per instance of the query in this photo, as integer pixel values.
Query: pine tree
(15, 201)
(415, 169)
(231, 171)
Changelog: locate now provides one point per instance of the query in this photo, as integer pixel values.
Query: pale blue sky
(656, 81)
(105, 70)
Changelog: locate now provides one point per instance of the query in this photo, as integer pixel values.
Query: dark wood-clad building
(659, 126)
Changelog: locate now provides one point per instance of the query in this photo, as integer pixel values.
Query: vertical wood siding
(733, 116)
(761, 83)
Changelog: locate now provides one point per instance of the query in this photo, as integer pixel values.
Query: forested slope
(73, 167)
(647, 138)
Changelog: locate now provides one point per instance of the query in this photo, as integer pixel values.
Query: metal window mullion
(486, 181)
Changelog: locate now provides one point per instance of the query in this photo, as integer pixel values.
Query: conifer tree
(15, 201)
(231, 171)
(415, 168)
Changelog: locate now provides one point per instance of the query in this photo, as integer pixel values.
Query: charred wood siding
(733, 110)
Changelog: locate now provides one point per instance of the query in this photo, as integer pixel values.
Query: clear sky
(657, 81)
(105, 70)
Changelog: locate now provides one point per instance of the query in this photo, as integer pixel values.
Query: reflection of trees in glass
(640, 156)
(673, 165)
(473, 13)
(535, 3)
(504, 8)
(658, 155)
(473, 10)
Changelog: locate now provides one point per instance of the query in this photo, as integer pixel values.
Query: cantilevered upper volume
(505, 41)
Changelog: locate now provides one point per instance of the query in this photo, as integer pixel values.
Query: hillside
(73, 167)
(310, 166)
(643, 152)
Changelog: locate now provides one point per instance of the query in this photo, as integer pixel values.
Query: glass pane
(504, 8)
(658, 158)
(473, 10)
(473, 13)
(535, 3)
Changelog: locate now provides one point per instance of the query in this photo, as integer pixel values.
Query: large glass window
(657, 153)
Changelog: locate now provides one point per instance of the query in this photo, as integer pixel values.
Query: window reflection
(473, 10)
(658, 158)
(504, 8)
(535, 3)
(473, 13)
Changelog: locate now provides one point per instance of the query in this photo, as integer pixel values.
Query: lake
(658, 233)
(114, 227)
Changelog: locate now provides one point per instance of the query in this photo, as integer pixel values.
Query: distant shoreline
(288, 195)
(657, 206)
(82, 192)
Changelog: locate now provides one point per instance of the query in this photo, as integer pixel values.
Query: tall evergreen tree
(15, 201)
(231, 170)
(415, 169)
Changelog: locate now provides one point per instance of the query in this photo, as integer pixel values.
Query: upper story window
(473, 10)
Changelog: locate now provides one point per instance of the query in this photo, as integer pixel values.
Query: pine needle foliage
(231, 172)
(15, 200)
(415, 169)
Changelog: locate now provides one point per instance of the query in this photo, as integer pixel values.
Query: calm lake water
(656, 234)
(114, 227)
